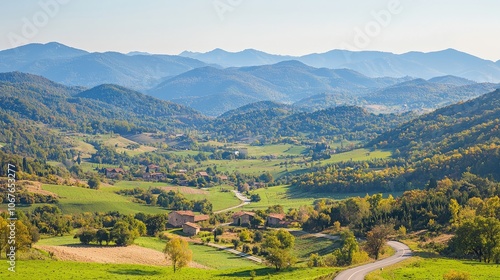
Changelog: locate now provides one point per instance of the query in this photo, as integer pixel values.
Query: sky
(290, 27)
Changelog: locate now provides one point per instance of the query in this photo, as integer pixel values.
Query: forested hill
(101, 109)
(460, 138)
(347, 122)
(458, 126)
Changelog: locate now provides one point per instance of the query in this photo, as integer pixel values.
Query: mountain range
(370, 63)
(214, 91)
(71, 66)
(380, 81)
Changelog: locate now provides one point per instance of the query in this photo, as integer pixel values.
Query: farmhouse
(190, 228)
(113, 172)
(202, 174)
(178, 218)
(243, 218)
(274, 220)
(222, 177)
(153, 176)
(153, 167)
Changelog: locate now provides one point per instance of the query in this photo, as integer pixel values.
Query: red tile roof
(239, 214)
(198, 218)
(193, 225)
(277, 216)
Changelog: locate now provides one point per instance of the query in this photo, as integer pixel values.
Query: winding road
(358, 273)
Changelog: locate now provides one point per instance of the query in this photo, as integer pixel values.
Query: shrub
(255, 250)
(315, 260)
(246, 248)
(456, 275)
(360, 257)
(330, 260)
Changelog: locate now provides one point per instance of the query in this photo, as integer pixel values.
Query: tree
(344, 255)
(177, 251)
(279, 244)
(376, 238)
(156, 223)
(3, 233)
(94, 183)
(122, 234)
(103, 235)
(479, 238)
(280, 258)
(87, 235)
(255, 197)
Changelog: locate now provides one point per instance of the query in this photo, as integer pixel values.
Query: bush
(87, 235)
(236, 243)
(360, 257)
(246, 248)
(457, 275)
(255, 250)
(330, 260)
(315, 260)
(94, 183)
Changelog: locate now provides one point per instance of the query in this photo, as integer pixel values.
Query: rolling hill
(100, 109)
(271, 120)
(421, 94)
(214, 91)
(457, 126)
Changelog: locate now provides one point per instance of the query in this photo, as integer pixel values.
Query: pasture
(419, 268)
(78, 200)
(290, 196)
(47, 270)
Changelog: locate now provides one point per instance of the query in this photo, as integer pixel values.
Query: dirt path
(127, 255)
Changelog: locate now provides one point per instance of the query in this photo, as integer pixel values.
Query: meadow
(420, 268)
(290, 196)
(282, 166)
(48, 270)
(77, 200)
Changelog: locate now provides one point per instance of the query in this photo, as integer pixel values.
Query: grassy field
(220, 200)
(358, 155)
(48, 270)
(288, 197)
(78, 200)
(120, 144)
(204, 255)
(277, 166)
(59, 240)
(435, 268)
(307, 245)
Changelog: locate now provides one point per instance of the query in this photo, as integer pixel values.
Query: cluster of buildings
(190, 221)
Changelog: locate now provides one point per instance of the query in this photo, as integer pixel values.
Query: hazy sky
(277, 26)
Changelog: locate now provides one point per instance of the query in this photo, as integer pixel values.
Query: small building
(222, 177)
(113, 172)
(275, 220)
(178, 218)
(191, 228)
(153, 167)
(243, 218)
(153, 176)
(202, 174)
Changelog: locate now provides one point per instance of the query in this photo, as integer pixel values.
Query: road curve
(358, 273)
